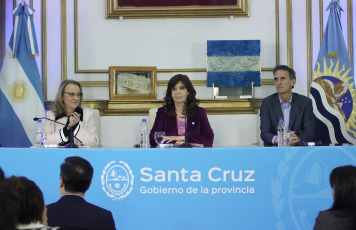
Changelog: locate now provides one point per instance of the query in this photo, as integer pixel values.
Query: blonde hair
(58, 106)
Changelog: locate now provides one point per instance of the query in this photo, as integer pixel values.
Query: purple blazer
(198, 127)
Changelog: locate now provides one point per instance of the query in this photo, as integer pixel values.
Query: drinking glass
(160, 137)
(288, 136)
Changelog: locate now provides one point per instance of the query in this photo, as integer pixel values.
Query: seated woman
(31, 210)
(67, 111)
(342, 214)
(171, 117)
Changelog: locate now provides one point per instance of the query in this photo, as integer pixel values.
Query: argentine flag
(21, 96)
(333, 88)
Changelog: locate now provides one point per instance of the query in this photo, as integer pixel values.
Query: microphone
(186, 144)
(39, 118)
(71, 135)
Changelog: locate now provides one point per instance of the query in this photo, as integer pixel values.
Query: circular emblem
(117, 180)
(19, 91)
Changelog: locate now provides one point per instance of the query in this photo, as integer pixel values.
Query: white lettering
(211, 172)
(251, 172)
(146, 174)
(160, 190)
(172, 175)
(160, 176)
(227, 175)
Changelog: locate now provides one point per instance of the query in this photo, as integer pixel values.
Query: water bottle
(40, 134)
(280, 133)
(144, 134)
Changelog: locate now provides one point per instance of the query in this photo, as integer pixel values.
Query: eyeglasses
(73, 94)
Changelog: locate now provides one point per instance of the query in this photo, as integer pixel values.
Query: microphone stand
(71, 143)
(186, 143)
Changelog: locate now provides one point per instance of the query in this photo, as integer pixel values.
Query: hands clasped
(178, 140)
(74, 119)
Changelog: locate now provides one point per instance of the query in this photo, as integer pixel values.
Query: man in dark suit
(71, 211)
(297, 110)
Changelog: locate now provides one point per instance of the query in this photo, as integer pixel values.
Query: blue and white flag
(333, 88)
(21, 96)
(233, 63)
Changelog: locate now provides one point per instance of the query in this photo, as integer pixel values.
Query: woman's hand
(178, 140)
(74, 119)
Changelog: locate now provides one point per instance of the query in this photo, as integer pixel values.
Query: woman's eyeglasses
(73, 94)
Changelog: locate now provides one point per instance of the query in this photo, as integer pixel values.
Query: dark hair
(30, 202)
(191, 100)
(58, 106)
(343, 181)
(8, 214)
(291, 72)
(2, 174)
(76, 174)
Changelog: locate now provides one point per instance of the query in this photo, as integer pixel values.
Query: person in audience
(67, 111)
(71, 211)
(342, 214)
(2, 174)
(31, 210)
(296, 109)
(8, 214)
(180, 102)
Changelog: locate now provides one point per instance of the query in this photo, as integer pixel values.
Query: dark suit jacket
(72, 212)
(327, 220)
(198, 127)
(301, 117)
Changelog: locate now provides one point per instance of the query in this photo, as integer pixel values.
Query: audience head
(29, 199)
(76, 174)
(191, 100)
(8, 213)
(343, 182)
(2, 174)
(66, 88)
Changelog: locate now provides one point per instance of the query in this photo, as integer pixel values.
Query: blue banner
(203, 188)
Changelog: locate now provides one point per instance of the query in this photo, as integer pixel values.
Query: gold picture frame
(241, 9)
(133, 82)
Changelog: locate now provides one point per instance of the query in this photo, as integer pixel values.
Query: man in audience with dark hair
(31, 210)
(2, 175)
(8, 215)
(296, 109)
(71, 211)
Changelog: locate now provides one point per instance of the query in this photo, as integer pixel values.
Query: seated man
(297, 110)
(71, 211)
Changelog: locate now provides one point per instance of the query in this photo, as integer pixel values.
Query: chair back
(152, 116)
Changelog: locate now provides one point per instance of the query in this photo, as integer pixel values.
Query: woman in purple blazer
(171, 117)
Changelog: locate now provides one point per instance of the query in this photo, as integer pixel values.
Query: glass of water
(288, 136)
(160, 137)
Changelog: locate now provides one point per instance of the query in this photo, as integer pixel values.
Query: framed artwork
(132, 83)
(176, 8)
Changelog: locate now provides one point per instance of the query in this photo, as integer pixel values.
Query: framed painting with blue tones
(233, 63)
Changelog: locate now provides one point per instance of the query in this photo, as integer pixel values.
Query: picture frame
(114, 11)
(133, 82)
